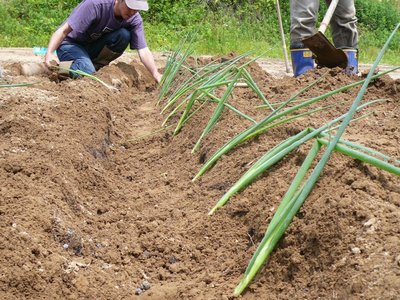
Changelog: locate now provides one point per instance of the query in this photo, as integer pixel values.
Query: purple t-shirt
(93, 18)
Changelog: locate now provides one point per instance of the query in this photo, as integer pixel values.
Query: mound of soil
(97, 202)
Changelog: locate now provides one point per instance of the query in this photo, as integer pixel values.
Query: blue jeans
(83, 54)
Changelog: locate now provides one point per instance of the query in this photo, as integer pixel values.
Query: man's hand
(50, 59)
(157, 76)
(146, 57)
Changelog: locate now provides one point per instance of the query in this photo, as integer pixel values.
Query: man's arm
(146, 57)
(55, 41)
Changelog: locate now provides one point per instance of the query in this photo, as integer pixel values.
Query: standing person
(99, 31)
(303, 17)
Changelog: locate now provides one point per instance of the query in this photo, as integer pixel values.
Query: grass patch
(224, 26)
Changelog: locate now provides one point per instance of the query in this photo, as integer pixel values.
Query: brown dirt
(92, 206)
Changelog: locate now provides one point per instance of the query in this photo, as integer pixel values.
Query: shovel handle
(328, 16)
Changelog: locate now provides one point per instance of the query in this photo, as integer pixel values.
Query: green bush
(378, 15)
(223, 25)
(31, 22)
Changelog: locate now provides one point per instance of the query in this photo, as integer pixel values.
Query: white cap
(137, 4)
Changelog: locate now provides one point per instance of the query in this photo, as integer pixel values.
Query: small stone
(355, 250)
(172, 260)
(24, 235)
(106, 266)
(138, 291)
(116, 83)
(146, 254)
(370, 222)
(145, 285)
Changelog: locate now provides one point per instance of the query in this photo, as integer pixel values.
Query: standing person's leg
(303, 15)
(78, 56)
(344, 32)
(303, 18)
(109, 47)
(344, 25)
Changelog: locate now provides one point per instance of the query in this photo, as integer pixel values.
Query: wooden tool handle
(328, 16)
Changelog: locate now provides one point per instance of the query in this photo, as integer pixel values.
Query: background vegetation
(224, 25)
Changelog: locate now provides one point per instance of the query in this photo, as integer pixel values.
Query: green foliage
(242, 9)
(175, 14)
(31, 22)
(376, 20)
(224, 25)
(378, 15)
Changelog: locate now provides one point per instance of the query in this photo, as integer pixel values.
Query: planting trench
(95, 206)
